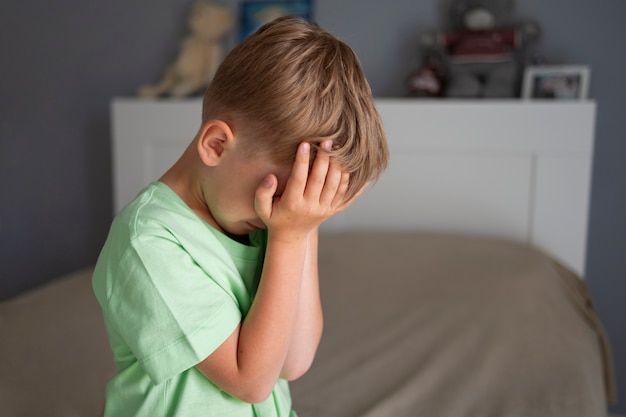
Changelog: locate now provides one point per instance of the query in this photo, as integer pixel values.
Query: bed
(453, 287)
(450, 325)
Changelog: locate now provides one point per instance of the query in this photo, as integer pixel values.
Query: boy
(208, 279)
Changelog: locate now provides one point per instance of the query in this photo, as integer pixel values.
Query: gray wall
(63, 60)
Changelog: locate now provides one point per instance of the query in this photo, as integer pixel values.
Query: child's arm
(250, 361)
(307, 330)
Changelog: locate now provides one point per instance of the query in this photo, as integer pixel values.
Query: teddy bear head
(208, 20)
(478, 14)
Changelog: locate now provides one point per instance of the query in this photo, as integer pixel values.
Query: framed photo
(254, 14)
(556, 82)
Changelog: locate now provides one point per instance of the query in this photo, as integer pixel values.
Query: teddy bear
(200, 54)
(478, 57)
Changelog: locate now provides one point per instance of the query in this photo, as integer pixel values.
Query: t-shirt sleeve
(171, 312)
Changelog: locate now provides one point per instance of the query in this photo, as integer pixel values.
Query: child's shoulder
(156, 209)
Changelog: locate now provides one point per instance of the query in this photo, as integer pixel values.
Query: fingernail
(306, 147)
(327, 145)
(267, 182)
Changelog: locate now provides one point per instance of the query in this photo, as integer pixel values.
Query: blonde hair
(291, 82)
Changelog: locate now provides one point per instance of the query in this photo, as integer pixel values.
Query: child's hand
(308, 199)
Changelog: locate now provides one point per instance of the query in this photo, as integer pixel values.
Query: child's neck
(183, 180)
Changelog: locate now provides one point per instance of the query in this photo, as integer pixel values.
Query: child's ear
(214, 137)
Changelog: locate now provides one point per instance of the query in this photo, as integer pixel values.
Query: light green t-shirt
(172, 289)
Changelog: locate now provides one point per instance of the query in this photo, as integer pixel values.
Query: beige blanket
(432, 325)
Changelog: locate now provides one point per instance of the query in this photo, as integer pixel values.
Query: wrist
(289, 236)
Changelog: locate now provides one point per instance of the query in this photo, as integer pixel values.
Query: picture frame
(254, 14)
(569, 82)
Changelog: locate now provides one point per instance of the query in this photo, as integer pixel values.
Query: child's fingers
(297, 182)
(263, 197)
(317, 177)
(332, 184)
(338, 200)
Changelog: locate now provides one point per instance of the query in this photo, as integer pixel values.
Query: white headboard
(519, 170)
